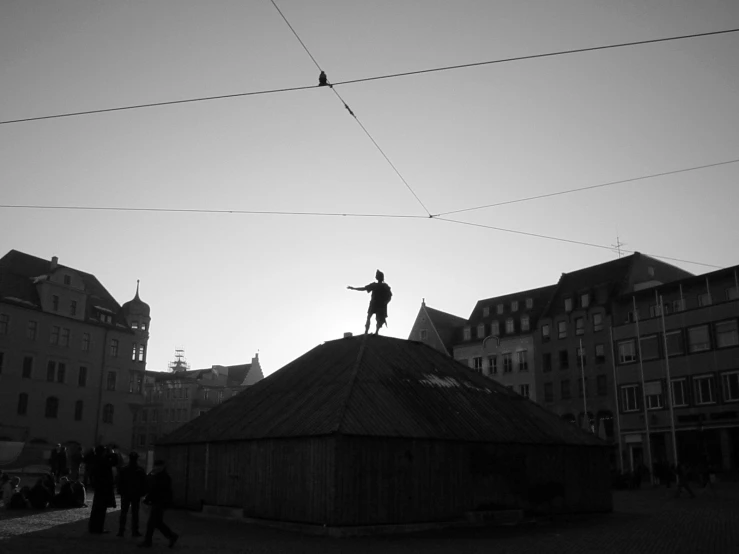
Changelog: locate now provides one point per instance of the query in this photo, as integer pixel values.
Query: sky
(224, 286)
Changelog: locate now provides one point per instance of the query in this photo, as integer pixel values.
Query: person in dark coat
(61, 462)
(159, 498)
(132, 485)
(39, 496)
(64, 498)
(79, 494)
(102, 481)
(53, 461)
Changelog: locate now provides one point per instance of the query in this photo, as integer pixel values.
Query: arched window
(108, 413)
(22, 403)
(52, 407)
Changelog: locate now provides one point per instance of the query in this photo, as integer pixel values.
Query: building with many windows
(175, 397)
(699, 344)
(72, 360)
(573, 339)
(498, 339)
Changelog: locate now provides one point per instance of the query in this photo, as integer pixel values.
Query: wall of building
(423, 330)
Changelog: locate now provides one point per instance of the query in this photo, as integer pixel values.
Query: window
(54, 338)
(140, 385)
(601, 384)
(52, 407)
(50, 371)
(730, 385)
(597, 322)
(565, 389)
(509, 326)
(545, 332)
(524, 390)
(548, 392)
(507, 362)
(108, 411)
(584, 300)
(698, 339)
(678, 305)
(580, 387)
(731, 293)
(73, 307)
(477, 364)
(582, 358)
(467, 333)
(514, 306)
(143, 326)
(85, 342)
(524, 323)
(144, 416)
(78, 407)
(4, 324)
(564, 359)
(492, 365)
(114, 348)
(653, 392)
(703, 388)
(650, 271)
(679, 393)
(529, 303)
(579, 326)
(522, 360)
(32, 330)
(499, 309)
(135, 350)
(27, 367)
(154, 416)
(629, 398)
(67, 280)
(649, 348)
(562, 329)
(568, 304)
(626, 352)
(600, 353)
(674, 343)
(55, 303)
(111, 380)
(485, 311)
(61, 372)
(704, 299)
(64, 338)
(547, 361)
(220, 392)
(82, 376)
(22, 404)
(424, 334)
(726, 334)
(131, 381)
(187, 393)
(481, 331)
(135, 324)
(205, 394)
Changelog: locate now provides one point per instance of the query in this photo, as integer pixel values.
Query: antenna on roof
(617, 247)
(179, 363)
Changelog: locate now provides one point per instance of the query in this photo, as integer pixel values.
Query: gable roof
(380, 387)
(445, 324)
(18, 271)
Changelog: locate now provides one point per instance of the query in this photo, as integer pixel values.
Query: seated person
(39, 496)
(19, 500)
(65, 498)
(9, 488)
(79, 494)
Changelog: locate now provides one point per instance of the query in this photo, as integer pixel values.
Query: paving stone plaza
(647, 521)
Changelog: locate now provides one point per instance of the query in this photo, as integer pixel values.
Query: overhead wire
(570, 241)
(590, 187)
(354, 115)
(372, 78)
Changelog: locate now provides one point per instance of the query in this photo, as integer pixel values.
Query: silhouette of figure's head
(380, 276)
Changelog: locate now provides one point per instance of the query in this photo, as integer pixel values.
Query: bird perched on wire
(323, 80)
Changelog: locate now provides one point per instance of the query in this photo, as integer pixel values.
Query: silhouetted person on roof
(381, 295)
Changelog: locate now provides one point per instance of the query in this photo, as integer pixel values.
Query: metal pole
(615, 388)
(584, 388)
(643, 391)
(670, 399)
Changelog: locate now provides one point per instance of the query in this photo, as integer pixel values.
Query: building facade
(436, 328)
(697, 341)
(172, 398)
(72, 360)
(498, 339)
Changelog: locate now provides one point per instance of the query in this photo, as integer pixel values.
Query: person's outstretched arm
(357, 288)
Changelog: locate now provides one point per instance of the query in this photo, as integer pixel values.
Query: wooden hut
(372, 430)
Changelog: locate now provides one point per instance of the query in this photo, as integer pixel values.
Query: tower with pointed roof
(138, 317)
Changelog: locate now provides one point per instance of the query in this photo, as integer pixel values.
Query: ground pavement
(649, 521)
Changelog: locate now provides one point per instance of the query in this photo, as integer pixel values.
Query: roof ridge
(355, 371)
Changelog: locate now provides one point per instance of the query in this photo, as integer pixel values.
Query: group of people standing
(134, 486)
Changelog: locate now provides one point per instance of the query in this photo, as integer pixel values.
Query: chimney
(54, 263)
(347, 335)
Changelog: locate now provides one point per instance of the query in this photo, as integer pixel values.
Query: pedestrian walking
(104, 485)
(681, 476)
(159, 498)
(132, 486)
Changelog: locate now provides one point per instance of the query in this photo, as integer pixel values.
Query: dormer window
(568, 304)
(514, 306)
(67, 280)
